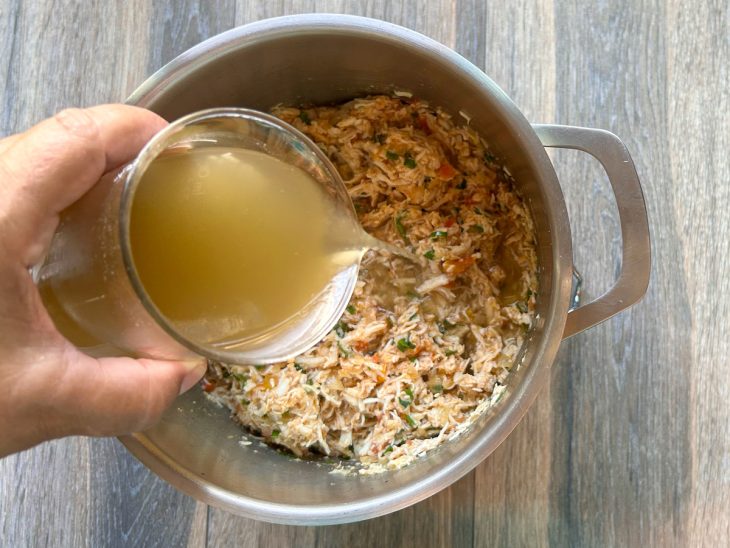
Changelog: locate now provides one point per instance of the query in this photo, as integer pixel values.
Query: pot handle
(633, 280)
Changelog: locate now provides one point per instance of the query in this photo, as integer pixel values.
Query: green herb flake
(244, 401)
(341, 328)
(437, 389)
(450, 352)
(405, 344)
(461, 185)
(490, 158)
(400, 229)
(409, 392)
(388, 449)
(409, 161)
(529, 294)
(413, 317)
(391, 155)
(430, 254)
(522, 307)
(275, 433)
(351, 309)
(476, 229)
(298, 367)
(411, 421)
(404, 403)
(310, 382)
(445, 325)
(436, 234)
(259, 367)
(345, 352)
(240, 377)
(380, 138)
(304, 117)
(413, 294)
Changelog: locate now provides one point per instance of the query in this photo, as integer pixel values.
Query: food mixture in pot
(421, 350)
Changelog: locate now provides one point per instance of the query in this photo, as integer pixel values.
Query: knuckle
(78, 122)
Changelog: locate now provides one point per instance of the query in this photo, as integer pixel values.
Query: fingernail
(196, 370)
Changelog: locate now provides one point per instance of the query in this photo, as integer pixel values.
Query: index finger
(47, 168)
(54, 163)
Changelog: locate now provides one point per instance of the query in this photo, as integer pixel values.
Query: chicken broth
(231, 243)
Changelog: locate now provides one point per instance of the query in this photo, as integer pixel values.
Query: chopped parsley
(437, 389)
(445, 325)
(409, 161)
(404, 402)
(259, 367)
(298, 367)
(244, 401)
(490, 158)
(388, 449)
(275, 433)
(405, 344)
(522, 307)
(241, 378)
(400, 229)
(380, 138)
(450, 352)
(409, 392)
(529, 294)
(413, 294)
(344, 350)
(391, 155)
(341, 328)
(304, 117)
(350, 309)
(411, 421)
(430, 254)
(436, 234)
(476, 229)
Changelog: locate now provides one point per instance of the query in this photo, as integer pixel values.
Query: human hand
(50, 389)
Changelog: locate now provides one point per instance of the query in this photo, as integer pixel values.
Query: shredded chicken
(422, 349)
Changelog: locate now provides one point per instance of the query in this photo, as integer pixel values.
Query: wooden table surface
(630, 442)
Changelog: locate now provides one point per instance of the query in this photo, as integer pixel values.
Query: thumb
(113, 396)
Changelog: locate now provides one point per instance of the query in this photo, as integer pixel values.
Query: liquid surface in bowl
(230, 243)
(422, 349)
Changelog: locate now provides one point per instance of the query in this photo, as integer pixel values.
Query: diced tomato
(455, 267)
(360, 346)
(423, 124)
(208, 386)
(446, 171)
(449, 222)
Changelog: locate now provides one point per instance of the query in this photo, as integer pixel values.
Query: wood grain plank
(621, 422)
(44, 496)
(178, 26)
(512, 485)
(698, 65)
(435, 19)
(130, 506)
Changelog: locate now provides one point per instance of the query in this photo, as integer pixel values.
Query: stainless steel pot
(327, 58)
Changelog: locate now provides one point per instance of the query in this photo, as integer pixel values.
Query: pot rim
(510, 410)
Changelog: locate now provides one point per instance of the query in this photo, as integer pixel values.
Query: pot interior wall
(323, 67)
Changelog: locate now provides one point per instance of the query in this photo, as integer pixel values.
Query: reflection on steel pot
(329, 58)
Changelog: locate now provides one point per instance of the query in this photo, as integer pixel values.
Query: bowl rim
(509, 410)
